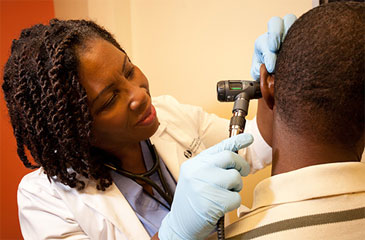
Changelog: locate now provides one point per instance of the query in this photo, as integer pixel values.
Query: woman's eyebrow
(111, 85)
(124, 62)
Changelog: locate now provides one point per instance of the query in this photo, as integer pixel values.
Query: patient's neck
(291, 152)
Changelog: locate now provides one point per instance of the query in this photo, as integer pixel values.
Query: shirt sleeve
(43, 214)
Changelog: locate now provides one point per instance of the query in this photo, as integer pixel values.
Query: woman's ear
(267, 82)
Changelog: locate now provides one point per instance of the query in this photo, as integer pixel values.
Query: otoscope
(240, 92)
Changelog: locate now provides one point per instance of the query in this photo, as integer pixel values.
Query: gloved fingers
(230, 160)
(277, 29)
(226, 205)
(218, 178)
(235, 201)
(289, 19)
(229, 179)
(270, 61)
(268, 44)
(233, 144)
(214, 203)
(275, 32)
(262, 54)
(261, 46)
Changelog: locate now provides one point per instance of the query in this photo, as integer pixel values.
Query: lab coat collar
(167, 150)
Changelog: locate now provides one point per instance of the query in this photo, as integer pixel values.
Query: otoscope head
(241, 92)
(228, 90)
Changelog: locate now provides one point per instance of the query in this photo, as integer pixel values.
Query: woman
(85, 113)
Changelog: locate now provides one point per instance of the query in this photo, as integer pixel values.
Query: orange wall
(14, 16)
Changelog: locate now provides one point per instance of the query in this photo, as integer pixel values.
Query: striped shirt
(324, 201)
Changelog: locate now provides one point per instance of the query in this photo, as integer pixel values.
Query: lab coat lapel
(113, 205)
(116, 209)
(167, 150)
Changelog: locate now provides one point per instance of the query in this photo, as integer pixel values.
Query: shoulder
(34, 180)
(163, 98)
(169, 108)
(36, 185)
(43, 204)
(176, 115)
(166, 102)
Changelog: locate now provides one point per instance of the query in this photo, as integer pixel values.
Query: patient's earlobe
(267, 82)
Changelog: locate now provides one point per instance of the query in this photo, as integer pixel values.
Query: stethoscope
(165, 193)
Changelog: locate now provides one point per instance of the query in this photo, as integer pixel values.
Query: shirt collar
(310, 182)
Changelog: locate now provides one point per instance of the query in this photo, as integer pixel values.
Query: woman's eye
(130, 73)
(109, 103)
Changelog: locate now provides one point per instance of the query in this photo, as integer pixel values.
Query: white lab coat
(51, 210)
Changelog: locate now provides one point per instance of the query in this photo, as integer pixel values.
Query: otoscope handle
(237, 123)
(220, 229)
(241, 92)
(236, 126)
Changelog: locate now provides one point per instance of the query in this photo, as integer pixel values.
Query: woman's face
(118, 96)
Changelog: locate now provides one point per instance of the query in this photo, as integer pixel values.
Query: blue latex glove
(268, 44)
(208, 187)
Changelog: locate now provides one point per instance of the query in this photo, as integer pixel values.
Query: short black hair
(330, 1)
(319, 78)
(47, 104)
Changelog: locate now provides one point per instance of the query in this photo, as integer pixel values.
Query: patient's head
(317, 93)
(319, 79)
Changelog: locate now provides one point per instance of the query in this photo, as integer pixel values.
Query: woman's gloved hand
(208, 187)
(268, 44)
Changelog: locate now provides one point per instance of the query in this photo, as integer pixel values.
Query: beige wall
(114, 15)
(185, 46)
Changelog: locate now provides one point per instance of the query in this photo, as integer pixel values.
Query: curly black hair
(48, 106)
(320, 74)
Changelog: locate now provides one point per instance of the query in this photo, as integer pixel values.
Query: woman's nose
(138, 98)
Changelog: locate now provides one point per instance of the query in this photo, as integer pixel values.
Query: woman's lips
(148, 117)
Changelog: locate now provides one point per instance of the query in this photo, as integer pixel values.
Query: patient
(317, 188)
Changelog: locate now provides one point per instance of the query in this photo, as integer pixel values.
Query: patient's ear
(267, 82)
(265, 116)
